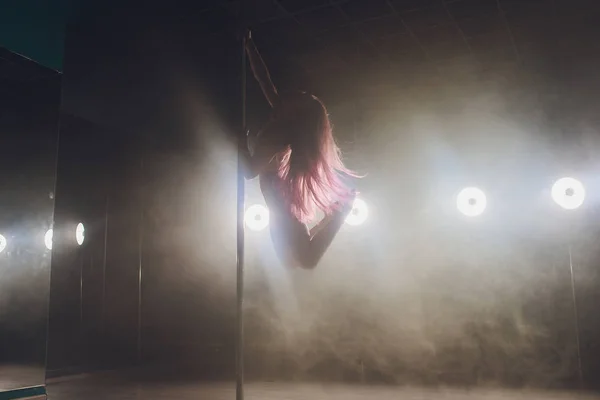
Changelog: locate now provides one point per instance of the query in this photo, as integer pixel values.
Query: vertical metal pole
(576, 316)
(239, 348)
(104, 266)
(82, 345)
(140, 248)
(82, 258)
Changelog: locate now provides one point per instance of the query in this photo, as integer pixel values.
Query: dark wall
(145, 157)
(161, 212)
(94, 188)
(29, 111)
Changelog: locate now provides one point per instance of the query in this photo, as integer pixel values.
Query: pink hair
(310, 169)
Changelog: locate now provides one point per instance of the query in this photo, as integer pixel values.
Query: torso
(278, 216)
(269, 180)
(268, 186)
(281, 222)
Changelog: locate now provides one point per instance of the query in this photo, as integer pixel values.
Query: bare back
(285, 229)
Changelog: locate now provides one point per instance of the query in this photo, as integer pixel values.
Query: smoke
(421, 295)
(448, 323)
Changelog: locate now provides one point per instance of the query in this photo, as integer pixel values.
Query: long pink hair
(310, 169)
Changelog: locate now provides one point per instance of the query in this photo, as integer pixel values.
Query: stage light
(256, 217)
(2, 243)
(80, 233)
(471, 201)
(568, 193)
(359, 213)
(48, 238)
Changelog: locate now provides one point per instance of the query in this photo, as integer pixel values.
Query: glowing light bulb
(359, 213)
(80, 233)
(48, 238)
(568, 193)
(256, 217)
(471, 201)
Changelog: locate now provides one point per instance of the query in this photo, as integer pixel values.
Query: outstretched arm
(261, 73)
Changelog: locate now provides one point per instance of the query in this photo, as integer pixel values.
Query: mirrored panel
(29, 114)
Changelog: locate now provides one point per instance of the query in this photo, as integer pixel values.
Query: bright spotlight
(471, 201)
(80, 233)
(359, 213)
(2, 243)
(256, 217)
(48, 238)
(568, 193)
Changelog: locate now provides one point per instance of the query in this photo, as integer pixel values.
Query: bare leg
(322, 239)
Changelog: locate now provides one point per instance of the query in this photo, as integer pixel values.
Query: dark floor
(92, 388)
(19, 376)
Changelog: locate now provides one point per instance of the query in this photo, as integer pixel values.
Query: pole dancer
(300, 170)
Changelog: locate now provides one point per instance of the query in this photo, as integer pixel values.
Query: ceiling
(345, 51)
(325, 38)
(444, 38)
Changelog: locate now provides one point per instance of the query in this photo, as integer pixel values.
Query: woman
(299, 167)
